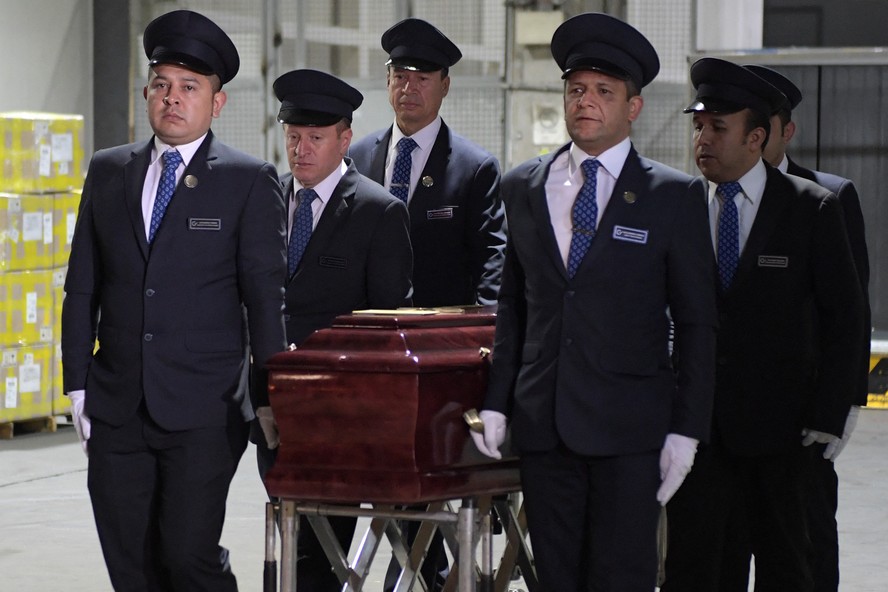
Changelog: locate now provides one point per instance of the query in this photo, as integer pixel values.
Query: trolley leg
(289, 535)
(467, 515)
(269, 575)
(486, 534)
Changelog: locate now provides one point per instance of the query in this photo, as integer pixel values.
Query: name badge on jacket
(630, 235)
(440, 214)
(204, 224)
(773, 261)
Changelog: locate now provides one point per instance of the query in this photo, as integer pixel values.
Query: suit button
(568, 341)
(149, 292)
(570, 293)
(148, 336)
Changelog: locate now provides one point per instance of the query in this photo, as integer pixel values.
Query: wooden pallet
(27, 426)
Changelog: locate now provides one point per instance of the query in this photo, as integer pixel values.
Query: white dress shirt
(425, 139)
(748, 201)
(565, 180)
(324, 189)
(152, 176)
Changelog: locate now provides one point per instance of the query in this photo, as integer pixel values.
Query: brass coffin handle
(474, 420)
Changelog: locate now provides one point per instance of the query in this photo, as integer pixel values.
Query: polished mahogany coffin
(370, 410)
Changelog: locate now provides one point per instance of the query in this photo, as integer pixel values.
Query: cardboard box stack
(41, 176)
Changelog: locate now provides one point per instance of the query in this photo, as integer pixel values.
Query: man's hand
(811, 436)
(494, 434)
(676, 460)
(834, 448)
(269, 427)
(79, 417)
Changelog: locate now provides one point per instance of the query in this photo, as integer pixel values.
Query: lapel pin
(190, 181)
(629, 197)
(427, 181)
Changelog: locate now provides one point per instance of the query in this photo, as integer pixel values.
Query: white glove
(269, 427)
(812, 436)
(834, 448)
(494, 434)
(676, 460)
(79, 417)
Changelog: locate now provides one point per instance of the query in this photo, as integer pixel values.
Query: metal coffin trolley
(370, 413)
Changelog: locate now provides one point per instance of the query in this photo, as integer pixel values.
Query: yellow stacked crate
(26, 231)
(41, 151)
(41, 176)
(26, 373)
(60, 403)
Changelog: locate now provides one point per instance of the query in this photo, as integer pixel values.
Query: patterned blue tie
(584, 217)
(728, 248)
(301, 230)
(400, 186)
(171, 161)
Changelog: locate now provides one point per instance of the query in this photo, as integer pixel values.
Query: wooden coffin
(370, 410)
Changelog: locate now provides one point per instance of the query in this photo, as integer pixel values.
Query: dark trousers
(730, 507)
(822, 504)
(159, 498)
(313, 570)
(592, 520)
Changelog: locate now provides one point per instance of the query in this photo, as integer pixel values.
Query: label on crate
(10, 358)
(29, 378)
(11, 399)
(32, 226)
(47, 228)
(31, 308)
(46, 334)
(44, 168)
(62, 147)
(14, 205)
(70, 222)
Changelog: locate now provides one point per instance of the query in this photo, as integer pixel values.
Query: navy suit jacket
(457, 222)
(169, 316)
(854, 226)
(359, 256)
(790, 324)
(585, 360)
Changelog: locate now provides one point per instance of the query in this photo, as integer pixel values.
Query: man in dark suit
(177, 263)
(451, 185)
(823, 494)
(604, 425)
(790, 318)
(349, 249)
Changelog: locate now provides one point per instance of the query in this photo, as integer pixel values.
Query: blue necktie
(171, 161)
(400, 186)
(584, 217)
(728, 247)
(300, 233)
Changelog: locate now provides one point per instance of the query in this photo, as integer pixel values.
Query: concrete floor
(48, 539)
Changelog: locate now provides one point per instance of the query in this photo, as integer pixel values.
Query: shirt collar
(424, 138)
(784, 165)
(325, 188)
(752, 183)
(612, 159)
(186, 151)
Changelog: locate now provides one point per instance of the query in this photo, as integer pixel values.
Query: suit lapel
(378, 156)
(335, 211)
(630, 182)
(134, 179)
(774, 202)
(539, 208)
